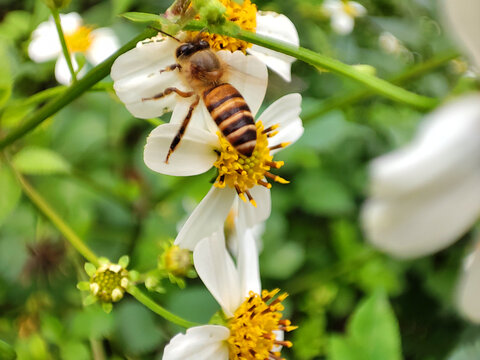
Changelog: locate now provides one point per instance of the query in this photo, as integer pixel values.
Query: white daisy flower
(95, 44)
(204, 148)
(426, 195)
(342, 14)
(254, 326)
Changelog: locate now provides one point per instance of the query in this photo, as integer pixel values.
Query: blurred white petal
(469, 288)
(70, 22)
(247, 259)
(194, 155)
(463, 17)
(199, 343)
(136, 75)
(446, 149)
(201, 118)
(332, 6)
(104, 44)
(62, 72)
(45, 44)
(423, 222)
(342, 23)
(359, 8)
(286, 113)
(248, 75)
(207, 217)
(218, 272)
(278, 27)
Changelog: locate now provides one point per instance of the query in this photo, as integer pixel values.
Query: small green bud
(177, 261)
(211, 11)
(366, 69)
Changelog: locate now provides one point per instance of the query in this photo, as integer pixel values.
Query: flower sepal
(219, 318)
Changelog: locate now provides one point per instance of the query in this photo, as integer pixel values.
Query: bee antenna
(164, 33)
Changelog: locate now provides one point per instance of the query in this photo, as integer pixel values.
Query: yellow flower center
(253, 326)
(80, 40)
(244, 15)
(241, 172)
(109, 282)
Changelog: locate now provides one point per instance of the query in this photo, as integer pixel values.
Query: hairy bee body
(204, 71)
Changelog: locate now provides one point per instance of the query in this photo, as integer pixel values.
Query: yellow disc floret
(241, 172)
(254, 325)
(109, 282)
(244, 15)
(80, 40)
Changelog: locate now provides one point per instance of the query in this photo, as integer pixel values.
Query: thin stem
(66, 53)
(152, 305)
(49, 213)
(374, 83)
(34, 119)
(363, 94)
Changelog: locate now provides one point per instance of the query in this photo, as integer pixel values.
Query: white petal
(201, 118)
(136, 75)
(207, 217)
(255, 215)
(423, 222)
(199, 343)
(359, 8)
(62, 72)
(463, 15)
(446, 150)
(332, 7)
(279, 336)
(248, 75)
(216, 269)
(278, 27)
(247, 259)
(286, 113)
(342, 23)
(104, 44)
(45, 44)
(194, 155)
(469, 288)
(70, 22)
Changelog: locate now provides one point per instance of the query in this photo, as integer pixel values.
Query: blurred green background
(350, 301)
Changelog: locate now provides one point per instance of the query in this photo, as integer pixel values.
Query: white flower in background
(342, 14)
(95, 44)
(426, 195)
(204, 148)
(254, 326)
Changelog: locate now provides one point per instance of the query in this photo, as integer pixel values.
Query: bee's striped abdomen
(233, 117)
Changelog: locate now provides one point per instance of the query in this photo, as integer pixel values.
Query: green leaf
(6, 79)
(6, 351)
(284, 261)
(40, 161)
(372, 333)
(10, 192)
(141, 17)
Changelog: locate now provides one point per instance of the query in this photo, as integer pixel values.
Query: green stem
(66, 53)
(374, 83)
(94, 76)
(88, 254)
(152, 305)
(63, 227)
(363, 94)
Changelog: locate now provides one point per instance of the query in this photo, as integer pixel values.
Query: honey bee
(204, 71)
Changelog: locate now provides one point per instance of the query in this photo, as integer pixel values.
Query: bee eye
(184, 50)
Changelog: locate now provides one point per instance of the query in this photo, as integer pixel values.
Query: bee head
(189, 48)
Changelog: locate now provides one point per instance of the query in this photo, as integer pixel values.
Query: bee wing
(248, 75)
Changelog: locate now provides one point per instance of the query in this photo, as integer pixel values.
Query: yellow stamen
(253, 324)
(242, 173)
(244, 15)
(80, 40)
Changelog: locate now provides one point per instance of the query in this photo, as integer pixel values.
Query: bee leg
(171, 68)
(183, 127)
(168, 91)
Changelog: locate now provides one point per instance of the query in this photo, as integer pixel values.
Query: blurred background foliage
(350, 301)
